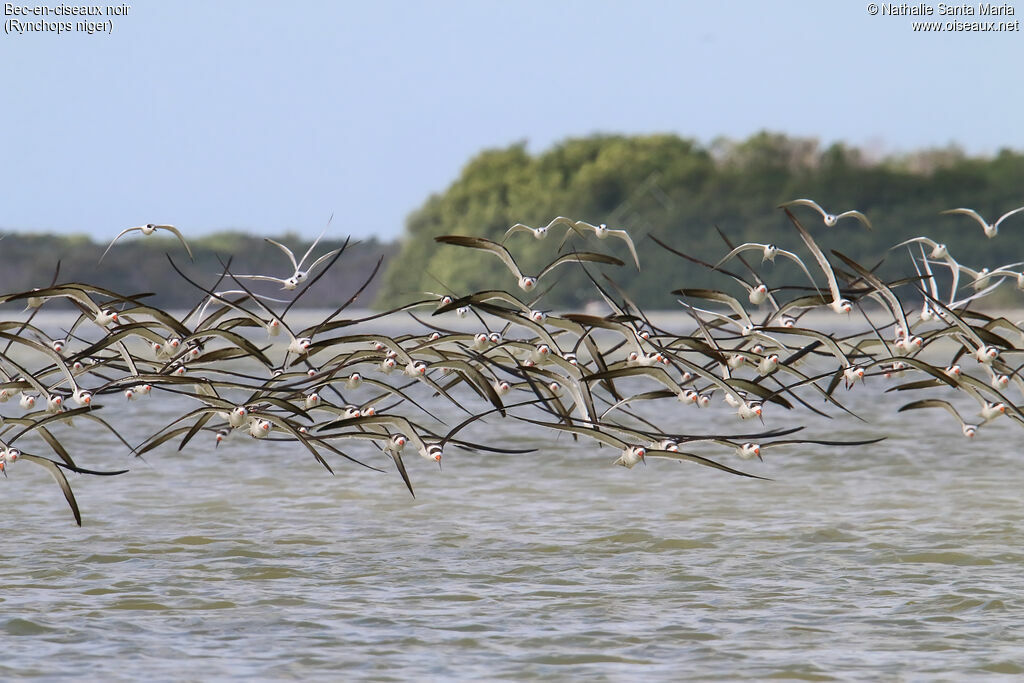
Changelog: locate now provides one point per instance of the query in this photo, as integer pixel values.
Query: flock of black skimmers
(343, 394)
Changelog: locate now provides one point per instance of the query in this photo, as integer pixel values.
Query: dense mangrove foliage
(679, 190)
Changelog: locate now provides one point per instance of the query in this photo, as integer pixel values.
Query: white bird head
(259, 428)
(852, 374)
(895, 370)
(758, 295)
(986, 354)
(631, 455)
(842, 306)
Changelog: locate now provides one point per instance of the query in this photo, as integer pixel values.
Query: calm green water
(895, 561)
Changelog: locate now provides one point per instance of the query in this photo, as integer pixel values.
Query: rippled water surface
(899, 560)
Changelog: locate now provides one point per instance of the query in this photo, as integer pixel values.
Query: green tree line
(680, 190)
(674, 188)
(137, 265)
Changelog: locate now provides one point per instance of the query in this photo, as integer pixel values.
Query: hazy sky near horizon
(267, 116)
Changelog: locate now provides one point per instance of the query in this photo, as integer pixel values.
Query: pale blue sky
(269, 116)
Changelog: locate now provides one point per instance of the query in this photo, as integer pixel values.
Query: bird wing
(700, 460)
(825, 339)
(62, 481)
(968, 212)
(181, 238)
(624, 236)
(1007, 215)
(580, 256)
(805, 202)
(119, 236)
(797, 260)
(518, 227)
(748, 246)
(313, 246)
(486, 245)
(264, 278)
(658, 374)
(721, 297)
(858, 215)
(933, 403)
(320, 260)
(826, 267)
(933, 287)
(286, 250)
(891, 299)
(924, 240)
(583, 431)
(952, 317)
